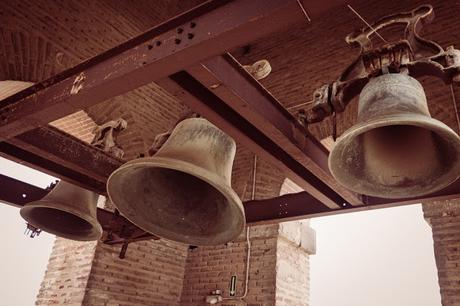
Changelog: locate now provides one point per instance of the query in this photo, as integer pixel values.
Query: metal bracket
(411, 54)
(160, 139)
(118, 230)
(32, 231)
(105, 137)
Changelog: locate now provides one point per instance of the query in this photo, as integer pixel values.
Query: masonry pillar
(296, 241)
(444, 219)
(167, 273)
(278, 264)
(278, 267)
(91, 273)
(67, 273)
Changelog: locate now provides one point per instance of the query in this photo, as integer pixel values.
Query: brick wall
(67, 273)
(292, 264)
(151, 273)
(278, 273)
(211, 268)
(278, 266)
(78, 124)
(444, 218)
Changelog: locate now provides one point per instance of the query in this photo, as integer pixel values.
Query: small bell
(66, 211)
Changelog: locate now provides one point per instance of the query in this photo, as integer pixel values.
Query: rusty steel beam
(205, 31)
(450, 192)
(292, 148)
(17, 193)
(202, 100)
(298, 206)
(295, 206)
(117, 229)
(59, 154)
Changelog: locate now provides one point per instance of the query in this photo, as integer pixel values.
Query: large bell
(183, 193)
(396, 149)
(66, 211)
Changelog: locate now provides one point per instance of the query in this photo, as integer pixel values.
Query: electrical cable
(248, 241)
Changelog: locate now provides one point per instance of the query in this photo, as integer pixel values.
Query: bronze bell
(183, 193)
(66, 211)
(396, 150)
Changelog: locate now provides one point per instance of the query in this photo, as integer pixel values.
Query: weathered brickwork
(67, 274)
(278, 268)
(444, 218)
(78, 124)
(211, 268)
(163, 273)
(292, 265)
(152, 273)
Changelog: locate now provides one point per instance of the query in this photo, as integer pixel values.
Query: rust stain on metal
(411, 54)
(78, 83)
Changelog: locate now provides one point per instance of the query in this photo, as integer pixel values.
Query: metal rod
(288, 207)
(254, 173)
(363, 20)
(304, 10)
(454, 101)
(248, 241)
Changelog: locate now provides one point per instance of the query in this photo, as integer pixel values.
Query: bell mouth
(177, 200)
(59, 222)
(397, 156)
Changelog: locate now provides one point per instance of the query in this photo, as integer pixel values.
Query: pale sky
(22, 260)
(376, 258)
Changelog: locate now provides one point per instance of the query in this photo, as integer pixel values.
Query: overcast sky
(22, 260)
(376, 258)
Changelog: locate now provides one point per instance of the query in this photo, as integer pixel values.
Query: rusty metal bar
(450, 192)
(298, 206)
(59, 154)
(117, 229)
(293, 148)
(205, 31)
(199, 98)
(18, 193)
(288, 207)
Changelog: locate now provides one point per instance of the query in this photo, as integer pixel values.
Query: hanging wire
(304, 10)
(248, 241)
(367, 23)
(301, 104)
(454, 101)
(254, 173)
